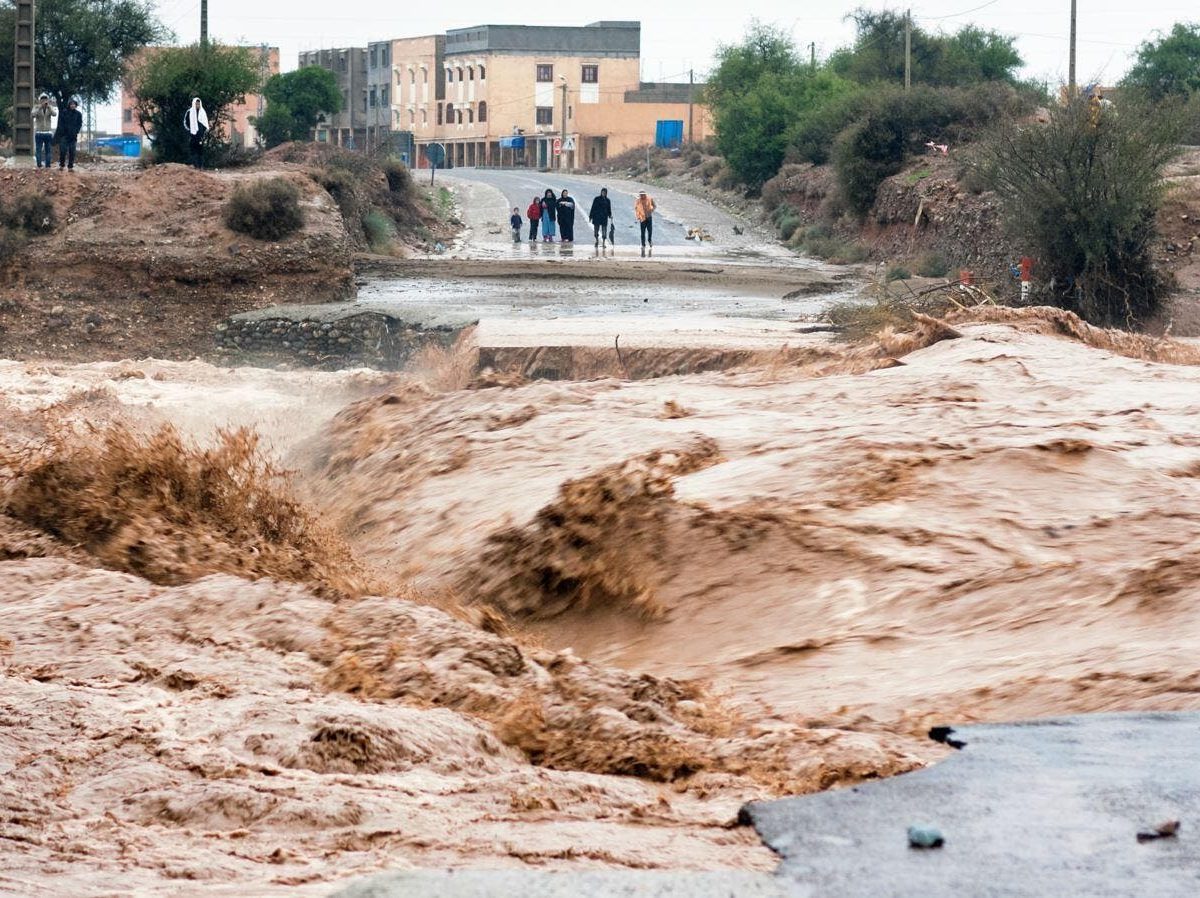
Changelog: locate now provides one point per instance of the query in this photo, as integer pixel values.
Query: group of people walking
(555, 215)
(54, 128)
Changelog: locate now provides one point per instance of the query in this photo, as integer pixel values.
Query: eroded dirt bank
(985, 519)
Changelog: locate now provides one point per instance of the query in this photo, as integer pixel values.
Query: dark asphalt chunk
(1046, 808)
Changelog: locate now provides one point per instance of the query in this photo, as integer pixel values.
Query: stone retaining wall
(370, 339)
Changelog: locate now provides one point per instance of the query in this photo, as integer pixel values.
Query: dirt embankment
(140, 263)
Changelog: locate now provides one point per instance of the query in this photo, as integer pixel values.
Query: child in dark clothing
(515, 223)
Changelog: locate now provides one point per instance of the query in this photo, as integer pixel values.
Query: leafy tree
(968, 56)
(1081, 196)
(1169, 66)
(294, 102)
(166, 82)
(81, 47)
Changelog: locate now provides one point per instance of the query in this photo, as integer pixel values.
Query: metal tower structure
(24, 79)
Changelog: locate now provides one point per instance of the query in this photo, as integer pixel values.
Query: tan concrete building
(509, 92)
(405, 84)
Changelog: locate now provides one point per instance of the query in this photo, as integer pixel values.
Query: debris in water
(925, 837)
(1165, 830)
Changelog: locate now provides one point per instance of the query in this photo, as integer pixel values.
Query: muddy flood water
(488, 622)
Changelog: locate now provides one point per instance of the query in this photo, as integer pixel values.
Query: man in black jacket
(67, 134)
(600, 215)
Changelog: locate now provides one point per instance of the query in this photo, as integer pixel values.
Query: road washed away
(489, 622)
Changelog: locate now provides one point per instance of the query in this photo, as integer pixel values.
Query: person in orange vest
(643, 211)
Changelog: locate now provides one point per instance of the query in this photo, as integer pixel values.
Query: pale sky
(682, 34)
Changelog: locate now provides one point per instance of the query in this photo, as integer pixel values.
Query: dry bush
(265, 210)
(170, 511)
(32, 213)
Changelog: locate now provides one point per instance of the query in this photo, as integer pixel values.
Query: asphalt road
(520, 187)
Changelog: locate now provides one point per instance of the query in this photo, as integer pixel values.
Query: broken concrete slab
(1050, 807)
(591, 883)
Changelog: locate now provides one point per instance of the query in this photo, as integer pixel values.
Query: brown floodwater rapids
(599, 614)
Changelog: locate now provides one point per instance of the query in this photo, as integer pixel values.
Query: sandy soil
(989, 521)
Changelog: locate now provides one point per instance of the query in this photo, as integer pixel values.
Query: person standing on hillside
(196, 122)
(534, 214)
(566, 217)
(600, 215)
(43, 130)
(66, 135)
(549, 215)
(643, 211)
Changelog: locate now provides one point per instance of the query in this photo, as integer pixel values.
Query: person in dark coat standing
(566, 217)
(66, 135)
(600, 215)
(549, 215)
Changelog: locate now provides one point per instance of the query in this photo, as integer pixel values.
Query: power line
(955, 15)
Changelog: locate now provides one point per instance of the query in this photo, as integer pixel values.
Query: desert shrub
(725, 179)
(265, 210)
(32, 213)
(772, 194)
(379, 230)
(692, 156)
(819, 242)
(399, 178)
(789, 223)
(11, 243)
(342, 186)
(710, 170)
(896, 273)
(1080, 194)
(933, 265)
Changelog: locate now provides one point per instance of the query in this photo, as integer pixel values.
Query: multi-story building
(506, 94)
(241, 129)
(347, 128)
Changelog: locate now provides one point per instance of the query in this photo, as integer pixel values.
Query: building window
(374, 58)
(449, 76)
(439, 115)
(483, 73)
(590, 74)
(383, 95)
(449, 114)
(482, 111)
(129, 115)
(460, 73)
(372, 98)
(459, 113)
(470, 73)
(346, 100)
(545, 73)
(545, 115)
(342, 62)
(412, 76)
(424, 76)
(424, 117)
(364, 99)
(470, 116)
(385, 56)
(412, 117)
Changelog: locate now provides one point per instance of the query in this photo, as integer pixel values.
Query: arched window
(412, 76)
(470, 73)
(460, 116)
(424, 117)
(412, 116)
(470, 116)
(424, 76)
(483, 73)
(449, 114)
(449, 76)
(483, 110)
(460, 73)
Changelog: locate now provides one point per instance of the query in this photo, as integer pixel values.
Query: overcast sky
(682, 34)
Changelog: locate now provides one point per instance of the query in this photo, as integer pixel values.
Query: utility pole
(691, 90)
(812, 55)
(203, 23)
(1071, 64)
(908, 48)
(562, 153)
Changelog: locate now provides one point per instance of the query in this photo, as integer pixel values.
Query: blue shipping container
(668, 133)
(126, 146)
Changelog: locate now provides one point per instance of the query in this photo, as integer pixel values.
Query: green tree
(1081, 197)
(1169, 66)
(166, 82)
(81, 46)
(294, 102)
